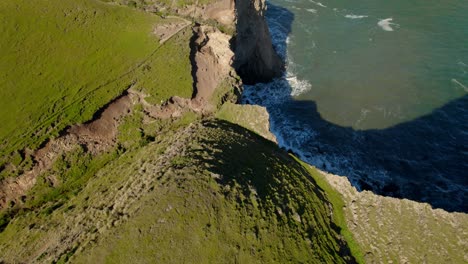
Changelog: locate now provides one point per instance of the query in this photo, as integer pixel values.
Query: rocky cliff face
(255, 58)
(399, 230)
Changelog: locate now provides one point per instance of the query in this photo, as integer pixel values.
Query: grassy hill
(202, 187)
(64, 59)
(209, 192)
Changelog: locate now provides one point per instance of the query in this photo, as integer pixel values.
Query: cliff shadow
(423, 160)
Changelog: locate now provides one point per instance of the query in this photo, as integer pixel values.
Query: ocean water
(375, 91)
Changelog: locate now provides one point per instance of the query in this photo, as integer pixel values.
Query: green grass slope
(64, 59)
(212, 192)
(229, 197)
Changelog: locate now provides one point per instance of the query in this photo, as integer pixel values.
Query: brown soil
(103, 130)
(212, 62)
(222, 11)
(96, 136)
(166, 31)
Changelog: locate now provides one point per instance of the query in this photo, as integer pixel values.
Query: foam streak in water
(385, 24)
(459, 83)
(318, 3)
(355, 16)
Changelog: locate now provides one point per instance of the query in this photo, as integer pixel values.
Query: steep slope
(211, 192)
(63, 60)
(256, 60)
(385, 229)
(402, 231)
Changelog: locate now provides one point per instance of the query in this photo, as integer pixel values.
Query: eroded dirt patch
(103, 130)
(96, 137)
(221, 11)
(166, 31)
(211, 64)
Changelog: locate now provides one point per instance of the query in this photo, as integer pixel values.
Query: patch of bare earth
(222, 11)
(166, 31)
(96, 136)
(211, 62)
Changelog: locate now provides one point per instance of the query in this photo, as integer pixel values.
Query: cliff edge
(255, 58)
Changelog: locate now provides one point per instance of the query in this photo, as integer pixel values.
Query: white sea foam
(298, 87)
(351, 16)
(318, 3)
(385, 24)
(463, 67)
(311, 10)
(362, 117)
(459, 83)
(297, 136)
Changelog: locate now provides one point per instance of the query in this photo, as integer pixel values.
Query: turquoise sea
(376, 91)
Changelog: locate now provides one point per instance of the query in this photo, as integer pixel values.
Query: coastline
(374, 219)
(172, 179)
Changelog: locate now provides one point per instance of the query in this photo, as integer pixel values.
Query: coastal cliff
(386, 229)
(172, 171)
(255, 58)
(161, 179)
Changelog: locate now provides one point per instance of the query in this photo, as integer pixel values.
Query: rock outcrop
(253, 117)
(212, 61)
(222, 11)
(255, 58)
(399, 230)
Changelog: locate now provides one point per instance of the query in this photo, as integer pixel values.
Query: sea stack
(255, 58)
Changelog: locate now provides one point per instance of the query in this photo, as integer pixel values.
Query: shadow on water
(424, 160)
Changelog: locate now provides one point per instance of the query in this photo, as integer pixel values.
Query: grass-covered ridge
(211, 192)
(63, 60)
(230, 196)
